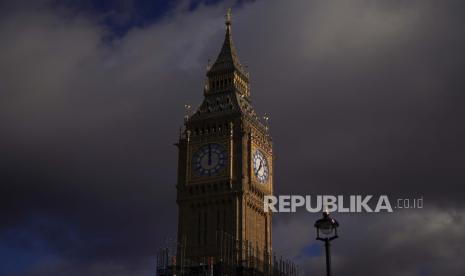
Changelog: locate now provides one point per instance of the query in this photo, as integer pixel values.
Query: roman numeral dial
(260, 166)
(209, 160)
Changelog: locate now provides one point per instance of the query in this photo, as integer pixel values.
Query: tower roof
(224, 93)
(227, 60)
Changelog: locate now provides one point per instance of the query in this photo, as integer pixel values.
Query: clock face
(209, 160)
(260, 166)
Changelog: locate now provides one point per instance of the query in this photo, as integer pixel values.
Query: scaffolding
(234, 258)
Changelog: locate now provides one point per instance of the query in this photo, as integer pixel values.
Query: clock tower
(225, 169)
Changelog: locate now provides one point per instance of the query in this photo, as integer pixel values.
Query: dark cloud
(421, 242)
(365, 97)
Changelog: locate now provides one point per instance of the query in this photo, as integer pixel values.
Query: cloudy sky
(365, 97)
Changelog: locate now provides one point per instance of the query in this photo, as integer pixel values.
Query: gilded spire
(227, 60)
(228, 17)
(227, 89)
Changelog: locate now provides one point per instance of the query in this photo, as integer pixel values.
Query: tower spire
(228, 17)
(227, 88)
(227, 60)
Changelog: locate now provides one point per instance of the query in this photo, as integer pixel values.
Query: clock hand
(259, 166)
(209, 155)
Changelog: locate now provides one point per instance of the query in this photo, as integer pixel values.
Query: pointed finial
(187, 108)
(266, 118)
(228, 17)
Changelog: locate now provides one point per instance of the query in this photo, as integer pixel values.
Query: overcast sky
(365, 97)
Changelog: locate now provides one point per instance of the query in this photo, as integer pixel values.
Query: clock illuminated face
(260, 166)
(209, 160)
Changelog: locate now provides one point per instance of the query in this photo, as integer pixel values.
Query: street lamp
(326, 230)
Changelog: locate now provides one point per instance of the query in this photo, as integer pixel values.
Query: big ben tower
(225, 169)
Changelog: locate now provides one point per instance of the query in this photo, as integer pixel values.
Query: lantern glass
(326, 226)
(327, 231)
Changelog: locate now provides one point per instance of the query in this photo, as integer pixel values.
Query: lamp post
(326, 231)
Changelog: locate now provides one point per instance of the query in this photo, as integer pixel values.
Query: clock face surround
(209, 160)
(260, 166)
